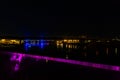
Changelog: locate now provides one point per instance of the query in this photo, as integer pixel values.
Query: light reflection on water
(72, 45)
(70, 49)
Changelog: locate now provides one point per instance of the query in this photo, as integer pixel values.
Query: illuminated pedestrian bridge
(17, 57)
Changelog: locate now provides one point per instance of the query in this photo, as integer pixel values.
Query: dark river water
(97, 62)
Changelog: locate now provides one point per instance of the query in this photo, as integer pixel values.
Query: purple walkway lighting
(17, 58)
(82, 63)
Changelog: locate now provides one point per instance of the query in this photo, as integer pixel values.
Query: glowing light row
(41, 44)
(9, 41)
(82, 63)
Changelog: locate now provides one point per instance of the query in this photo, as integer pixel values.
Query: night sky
(59, 17)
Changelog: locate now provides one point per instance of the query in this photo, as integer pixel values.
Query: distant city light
(3, 40)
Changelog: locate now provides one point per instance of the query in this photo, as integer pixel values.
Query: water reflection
(17, 67)
(68, 43)
(67, 46)
(70, 49)
(85, 54)
(46, 60)
(66, 56)
(107, 51)
(59, 45)
(116, 51)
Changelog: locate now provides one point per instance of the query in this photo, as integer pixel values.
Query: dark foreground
(30, 69)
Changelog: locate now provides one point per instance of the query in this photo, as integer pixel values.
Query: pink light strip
(82, 63)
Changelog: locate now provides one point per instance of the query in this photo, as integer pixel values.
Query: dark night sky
(59, 17)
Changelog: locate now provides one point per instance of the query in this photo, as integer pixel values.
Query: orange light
(65, 40)
(3, 40)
